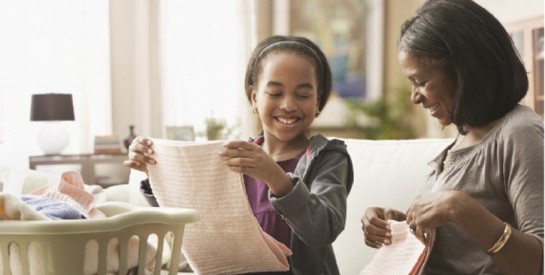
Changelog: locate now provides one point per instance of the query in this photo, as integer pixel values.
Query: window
(54, 46)
(204, 50)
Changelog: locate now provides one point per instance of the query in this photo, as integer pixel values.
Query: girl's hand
(140, 153)
(376, 229)
(432, 210)
(250, 159)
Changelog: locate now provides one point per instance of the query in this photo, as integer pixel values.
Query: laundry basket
(96, 246)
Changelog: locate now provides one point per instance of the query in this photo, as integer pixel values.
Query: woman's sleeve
(524, 174)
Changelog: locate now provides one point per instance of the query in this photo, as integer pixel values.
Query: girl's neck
(280, 150)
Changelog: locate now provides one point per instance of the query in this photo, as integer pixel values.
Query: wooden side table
(88, 164)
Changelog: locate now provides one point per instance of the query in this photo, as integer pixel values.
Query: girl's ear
(253, 95)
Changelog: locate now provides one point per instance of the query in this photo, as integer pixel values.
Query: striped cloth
(227, 239)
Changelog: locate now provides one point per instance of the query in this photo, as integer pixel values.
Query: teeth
(433, 108)
(288, 121)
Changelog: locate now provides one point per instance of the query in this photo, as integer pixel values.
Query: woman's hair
(462, 37)
(291, 44)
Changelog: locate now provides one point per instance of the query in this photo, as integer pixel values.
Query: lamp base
(52, 138)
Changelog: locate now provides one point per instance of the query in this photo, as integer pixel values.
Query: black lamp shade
(46, 107)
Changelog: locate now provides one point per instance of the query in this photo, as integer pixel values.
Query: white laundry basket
(62, 247)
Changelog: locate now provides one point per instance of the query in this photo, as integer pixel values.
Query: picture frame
(185, 133)
(339, 29)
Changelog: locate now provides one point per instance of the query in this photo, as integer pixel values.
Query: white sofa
(386, 174)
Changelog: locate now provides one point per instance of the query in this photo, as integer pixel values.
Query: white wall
(123, 54)
(508, 11)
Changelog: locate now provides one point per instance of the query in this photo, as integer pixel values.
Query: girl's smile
(286, 96)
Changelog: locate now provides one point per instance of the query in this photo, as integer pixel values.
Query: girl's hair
(299, 45)
(462, 37)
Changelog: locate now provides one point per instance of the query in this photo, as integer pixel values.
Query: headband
(289, 42)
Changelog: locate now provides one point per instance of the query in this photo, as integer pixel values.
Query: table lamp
(51, 109)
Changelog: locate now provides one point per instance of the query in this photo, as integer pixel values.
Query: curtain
(204, 47)
(54, 46)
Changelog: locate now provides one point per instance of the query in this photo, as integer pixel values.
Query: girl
(296, 184)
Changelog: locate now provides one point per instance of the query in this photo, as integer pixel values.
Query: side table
(89, 166)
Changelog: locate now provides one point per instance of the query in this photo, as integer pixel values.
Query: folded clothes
(52, 208)
(66, 199)
(71, 189)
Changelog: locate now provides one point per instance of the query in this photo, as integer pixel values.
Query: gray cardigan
(316, 207)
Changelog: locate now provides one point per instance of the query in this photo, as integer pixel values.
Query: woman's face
(431, 86)
(286, 95)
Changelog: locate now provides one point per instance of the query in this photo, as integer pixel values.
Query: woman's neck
(473, 136)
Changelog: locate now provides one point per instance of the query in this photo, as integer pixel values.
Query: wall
(397, 11)
(132, 106)
(509, 11)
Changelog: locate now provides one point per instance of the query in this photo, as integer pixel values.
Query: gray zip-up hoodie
(316, 207)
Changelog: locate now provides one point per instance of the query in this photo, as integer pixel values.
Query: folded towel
(227, 239)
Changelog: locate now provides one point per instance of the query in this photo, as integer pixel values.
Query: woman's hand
(140, 153)
(376, 229)
(250, 159)
(432, 210)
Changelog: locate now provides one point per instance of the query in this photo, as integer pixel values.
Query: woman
(484, 196)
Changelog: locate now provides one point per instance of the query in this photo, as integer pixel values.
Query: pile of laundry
(64, 200)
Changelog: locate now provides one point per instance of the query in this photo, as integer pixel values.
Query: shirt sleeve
(316, 211)
(523, 165)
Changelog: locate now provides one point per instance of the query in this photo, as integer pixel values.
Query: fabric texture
(227, 239)
(406, 254)
(504, 173)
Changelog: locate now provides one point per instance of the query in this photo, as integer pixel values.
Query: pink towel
(227, 239)
(70, 189)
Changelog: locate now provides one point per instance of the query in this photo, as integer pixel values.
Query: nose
(288, 104)
(416, 96)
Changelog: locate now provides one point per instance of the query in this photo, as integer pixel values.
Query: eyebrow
(279, 84)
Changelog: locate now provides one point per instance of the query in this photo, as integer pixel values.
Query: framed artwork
(186, 133)
(338, 27)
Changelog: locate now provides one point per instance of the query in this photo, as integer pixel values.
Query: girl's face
(431, 86)
(286, 95)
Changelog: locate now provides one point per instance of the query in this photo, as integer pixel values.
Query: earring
(317, 113)
(254, 109)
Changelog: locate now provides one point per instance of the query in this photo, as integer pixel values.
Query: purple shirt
(270, 221)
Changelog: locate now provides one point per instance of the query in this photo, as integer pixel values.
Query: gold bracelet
(501, 241)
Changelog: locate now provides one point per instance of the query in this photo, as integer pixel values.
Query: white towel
(406, 254)
(227, 239)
